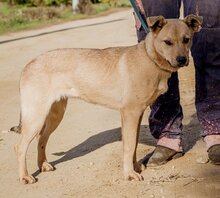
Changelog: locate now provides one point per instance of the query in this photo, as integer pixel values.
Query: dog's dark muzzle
(182, 61)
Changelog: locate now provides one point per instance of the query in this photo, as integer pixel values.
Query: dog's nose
(181, 60)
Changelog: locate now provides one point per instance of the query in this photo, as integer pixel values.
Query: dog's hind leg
(33, 119)
(53, 119)
(130, 125)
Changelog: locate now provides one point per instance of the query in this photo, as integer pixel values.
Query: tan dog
(127, 79)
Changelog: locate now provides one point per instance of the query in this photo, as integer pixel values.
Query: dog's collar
(163, 68)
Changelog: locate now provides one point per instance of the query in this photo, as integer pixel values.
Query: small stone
(91, 163)
(152, 196)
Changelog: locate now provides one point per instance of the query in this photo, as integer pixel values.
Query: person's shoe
(162, 155)
(214, 154)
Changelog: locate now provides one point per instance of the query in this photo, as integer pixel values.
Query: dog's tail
(17, 129)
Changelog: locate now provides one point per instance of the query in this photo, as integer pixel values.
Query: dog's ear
(194, 22)
(156, 23)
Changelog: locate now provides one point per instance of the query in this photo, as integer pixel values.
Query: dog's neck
(162, 63)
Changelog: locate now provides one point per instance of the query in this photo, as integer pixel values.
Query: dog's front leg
(137, 166)
(130, 125)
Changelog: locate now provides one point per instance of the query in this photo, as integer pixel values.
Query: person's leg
(165, 124)
(206, 55)
(166, 116)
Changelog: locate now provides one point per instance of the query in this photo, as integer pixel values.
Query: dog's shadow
(191, 134)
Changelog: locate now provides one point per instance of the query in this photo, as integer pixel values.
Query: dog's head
(173, 37)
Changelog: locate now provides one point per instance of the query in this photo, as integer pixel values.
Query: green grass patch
(21, 17)
(97, 8)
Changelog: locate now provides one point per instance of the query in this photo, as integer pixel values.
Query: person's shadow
(191, 134)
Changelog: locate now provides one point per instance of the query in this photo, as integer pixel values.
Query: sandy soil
(86, 149)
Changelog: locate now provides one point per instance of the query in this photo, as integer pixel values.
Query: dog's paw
(46, 167)
(28, 179)
(132, 175)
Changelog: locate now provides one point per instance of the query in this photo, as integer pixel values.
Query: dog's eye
(168, 42)
(186, 40)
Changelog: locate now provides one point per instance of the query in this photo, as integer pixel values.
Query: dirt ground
(86, 149)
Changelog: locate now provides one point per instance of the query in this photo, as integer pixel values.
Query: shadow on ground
(191, 134)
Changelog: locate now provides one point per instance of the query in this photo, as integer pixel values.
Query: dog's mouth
(183, 65)
(171, 64)
(178, 65)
